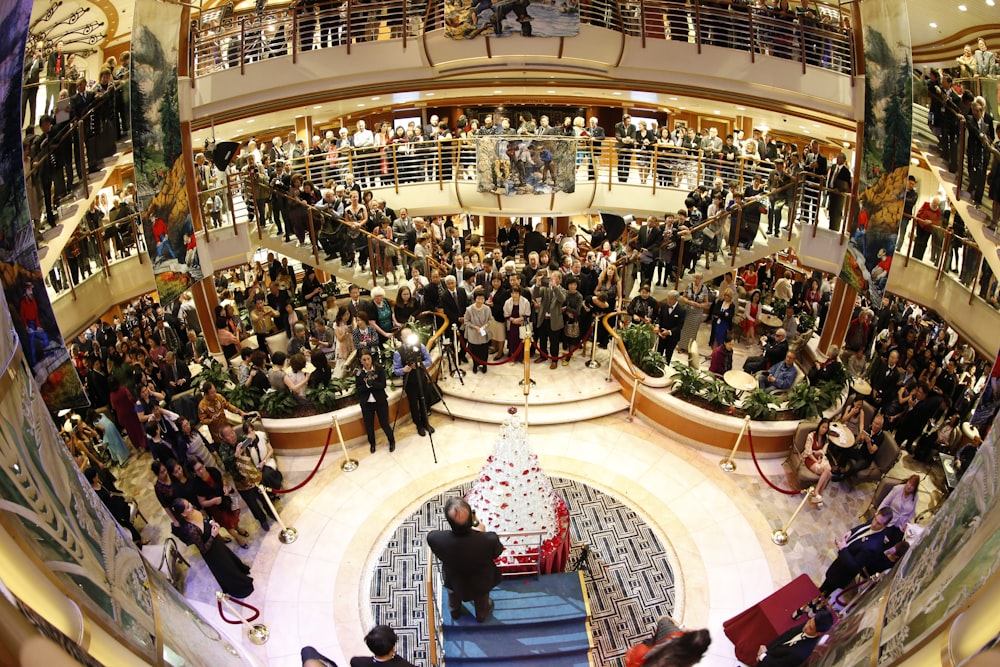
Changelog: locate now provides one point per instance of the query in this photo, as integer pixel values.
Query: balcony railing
(817, 40)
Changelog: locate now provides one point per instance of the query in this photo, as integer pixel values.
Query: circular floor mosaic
(626, 568)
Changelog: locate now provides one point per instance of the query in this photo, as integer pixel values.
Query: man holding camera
(246, 475)
(412, 356)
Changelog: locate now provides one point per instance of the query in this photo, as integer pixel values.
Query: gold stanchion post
(288, 534)
(257, 633)
(728, 464)
(780, 536)
(349, 464)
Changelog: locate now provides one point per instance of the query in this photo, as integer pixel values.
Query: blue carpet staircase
(536, 622)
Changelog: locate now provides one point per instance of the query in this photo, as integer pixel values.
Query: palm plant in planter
(760, 405)
(804, 400)
(277, 404)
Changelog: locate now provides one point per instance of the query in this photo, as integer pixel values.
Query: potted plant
(244, 397)
(687, 381)
(324, 397)
(277, 404)
(214, 372)
(760, 405)
(829, 393)
(803, 400)
(718, 393)
(807, 322)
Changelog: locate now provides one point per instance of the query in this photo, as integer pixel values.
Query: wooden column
(205, 300)
(838, 317)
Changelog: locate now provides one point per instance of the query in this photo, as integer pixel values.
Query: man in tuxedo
(886, 381)
(356, 304)
(405, 232)
(466, 553)
(508, 237)
(597, 136)
(194, 350)
(484, 278)
(793, 647)
(669, 324)
(29, 92)
(625, 141)
(922, 410)
(839, 182)
(97, 384)
(980, 126)
(454, 301)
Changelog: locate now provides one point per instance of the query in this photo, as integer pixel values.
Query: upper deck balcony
(246, 63)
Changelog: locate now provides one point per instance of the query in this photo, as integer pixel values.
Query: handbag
(271, 477)
(525, 331)
(573, 329)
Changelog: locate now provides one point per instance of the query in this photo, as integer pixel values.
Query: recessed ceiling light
(847, 144)
(250, 120)
(318, 106)
(717, 112)
(807, 131)
(361, 104)
(550, 92)
(429, 94)
(741, 108)
(497, 92)
(933, 25)
(616, 93)
(815, 124)
(376, 99)
(989, 3)
(672, 99)
(963, 8)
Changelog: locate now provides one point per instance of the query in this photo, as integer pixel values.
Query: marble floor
(717, 526)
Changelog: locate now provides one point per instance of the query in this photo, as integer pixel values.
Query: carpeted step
(576, 659)
(552, 598)
(515, 643)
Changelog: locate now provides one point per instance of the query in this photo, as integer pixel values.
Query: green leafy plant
(829, 393)
(324, 397)
(837, 374)
(652, 363)
(807, 322)
(277, 404)
(214, 372)
(760, 405)
(687, 380)
(718, 393)
(638, 339)
(778, 307)
(804, 400)
(244, 397)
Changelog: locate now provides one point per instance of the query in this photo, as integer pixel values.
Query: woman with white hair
(383, 315)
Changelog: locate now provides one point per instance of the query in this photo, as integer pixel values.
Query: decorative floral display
(512, 495)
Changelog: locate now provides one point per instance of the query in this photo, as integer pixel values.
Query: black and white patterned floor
(629, 579)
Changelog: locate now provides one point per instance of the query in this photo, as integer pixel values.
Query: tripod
(411, 355)
(449, 350)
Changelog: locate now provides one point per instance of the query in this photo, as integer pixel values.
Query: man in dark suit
(793, 647)
(885, 380)
(357, 304)
(625, 141)
(669, 324)
(484, 278)
(922, 410)
(980, 126)
(381, 641)
(775, 350)
(839, 182)
(176, 373)
(195, 349)
(508, 238)
(597, 136)
(860, 548)
(466, 554)
(454, 301)
(650, 238)
(97, 385)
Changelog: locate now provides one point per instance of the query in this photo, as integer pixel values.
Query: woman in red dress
(123, 404)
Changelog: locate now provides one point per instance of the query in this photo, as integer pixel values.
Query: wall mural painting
(514, 166)
(468, 19)
(156, 147)
(885, 159)
(20, 271)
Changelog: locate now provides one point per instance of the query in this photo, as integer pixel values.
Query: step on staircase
(565, 395)
(536, 622)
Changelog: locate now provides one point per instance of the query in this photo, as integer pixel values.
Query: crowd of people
(54, 157)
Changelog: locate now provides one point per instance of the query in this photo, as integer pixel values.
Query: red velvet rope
(256, 612)
(774, 486)
(508, 360)
(329, 434)
(583, 340)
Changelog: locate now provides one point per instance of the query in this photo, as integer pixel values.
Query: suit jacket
(623, 132)
(552, 300)
(650, 238)
(178, 371)
(452, 308)
(672, 322)
(363, 305)
(839, 178)
(596, 133)
(975, 149)
(789, 649)
(509, 236)
(467, 560)
(776, 353)
(370, 385)
(484, 279)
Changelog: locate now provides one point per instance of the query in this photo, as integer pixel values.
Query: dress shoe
(392, 447)
(372, 448)
(540, 359)
(475, 369)
(430, 429)
(421, 432)
(553, 365)
(488, 613)
(484, 370)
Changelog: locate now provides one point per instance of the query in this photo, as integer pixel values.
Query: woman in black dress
(370, 387)
(232, 574)
(216, 499)
(322, 373)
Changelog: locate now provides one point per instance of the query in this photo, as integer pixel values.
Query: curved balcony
(741, 54)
